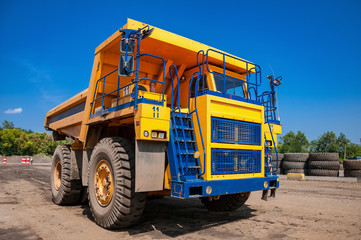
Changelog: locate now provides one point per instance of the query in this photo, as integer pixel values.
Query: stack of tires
(274, 162)
(323, 164)
(352, 168)
(295, 162)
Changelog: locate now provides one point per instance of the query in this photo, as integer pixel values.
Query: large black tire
(296, 171)
(226, 203)
(323, 156)
(296, 157)
(352, 164)
(65, 191)
(125, 206)
(332, 165)
(294, 165)
(323, 172)
(352, 173)
(280, 156)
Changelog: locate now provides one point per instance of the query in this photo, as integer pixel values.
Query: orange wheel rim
(57, 175)
(103, 183)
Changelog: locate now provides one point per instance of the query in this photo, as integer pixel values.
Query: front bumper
(201, 188)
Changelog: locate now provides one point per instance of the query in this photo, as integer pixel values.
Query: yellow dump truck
(164, 116)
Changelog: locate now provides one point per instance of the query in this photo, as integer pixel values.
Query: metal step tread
(181, 116)
(190, 152)
(181, 127)
(184, 140)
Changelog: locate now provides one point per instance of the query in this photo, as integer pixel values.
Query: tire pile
(295, 162)
(274, 162)
(352, 168)
(323, 164)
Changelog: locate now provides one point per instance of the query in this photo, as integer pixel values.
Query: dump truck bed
(71, 118)
(67, 117)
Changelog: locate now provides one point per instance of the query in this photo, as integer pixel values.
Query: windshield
(233, 86)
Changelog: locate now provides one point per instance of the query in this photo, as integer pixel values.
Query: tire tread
(128, 206)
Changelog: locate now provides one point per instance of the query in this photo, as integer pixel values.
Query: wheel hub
(57, 175)
(103, 183)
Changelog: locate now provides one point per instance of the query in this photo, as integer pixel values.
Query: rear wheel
(226, 203)
(112, 198)
(64, 190)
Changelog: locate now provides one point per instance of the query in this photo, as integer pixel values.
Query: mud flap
(149, 166)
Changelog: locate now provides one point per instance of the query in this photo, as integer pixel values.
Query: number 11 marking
(155, 109)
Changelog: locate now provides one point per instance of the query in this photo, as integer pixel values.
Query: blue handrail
(133, 83)
(178, 82)
(256, 69)
(201, 69)
(270, 110)
(96, 89)
(199, 124)
(155, 56)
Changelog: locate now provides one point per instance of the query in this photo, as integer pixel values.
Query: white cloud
(14, 111)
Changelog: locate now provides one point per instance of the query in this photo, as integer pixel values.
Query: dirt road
(301, 210)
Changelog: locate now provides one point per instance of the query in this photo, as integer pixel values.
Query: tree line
(327, 142)
(18, 141)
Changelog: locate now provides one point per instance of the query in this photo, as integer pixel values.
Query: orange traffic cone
(27, 161)
(23, 160)
(4, 161)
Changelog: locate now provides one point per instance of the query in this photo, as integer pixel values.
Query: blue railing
(196, 111)
(131, 34)
(270, 109)
(103, 80)
(251, 70)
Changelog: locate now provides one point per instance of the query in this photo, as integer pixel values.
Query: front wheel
(226, 203)
(112, 198)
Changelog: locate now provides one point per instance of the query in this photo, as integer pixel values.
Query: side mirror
(127, 42)
(147, 33)
(126, 64)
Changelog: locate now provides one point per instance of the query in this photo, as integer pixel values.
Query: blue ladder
(182, 147)
(182, 142)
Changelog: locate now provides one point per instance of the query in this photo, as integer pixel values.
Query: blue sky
(47, 47)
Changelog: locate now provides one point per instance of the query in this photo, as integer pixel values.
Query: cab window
(233, 86)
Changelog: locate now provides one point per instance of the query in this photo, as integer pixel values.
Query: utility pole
(344, 153)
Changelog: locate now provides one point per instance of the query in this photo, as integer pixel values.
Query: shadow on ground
(18, 233)
(169, 216)
(176, 217)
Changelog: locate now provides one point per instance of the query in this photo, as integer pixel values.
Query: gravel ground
(301, 210)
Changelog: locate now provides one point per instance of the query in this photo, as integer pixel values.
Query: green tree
(353, 150)
(7, 125)
(327, 142)
(292, 142)
(18, 141)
